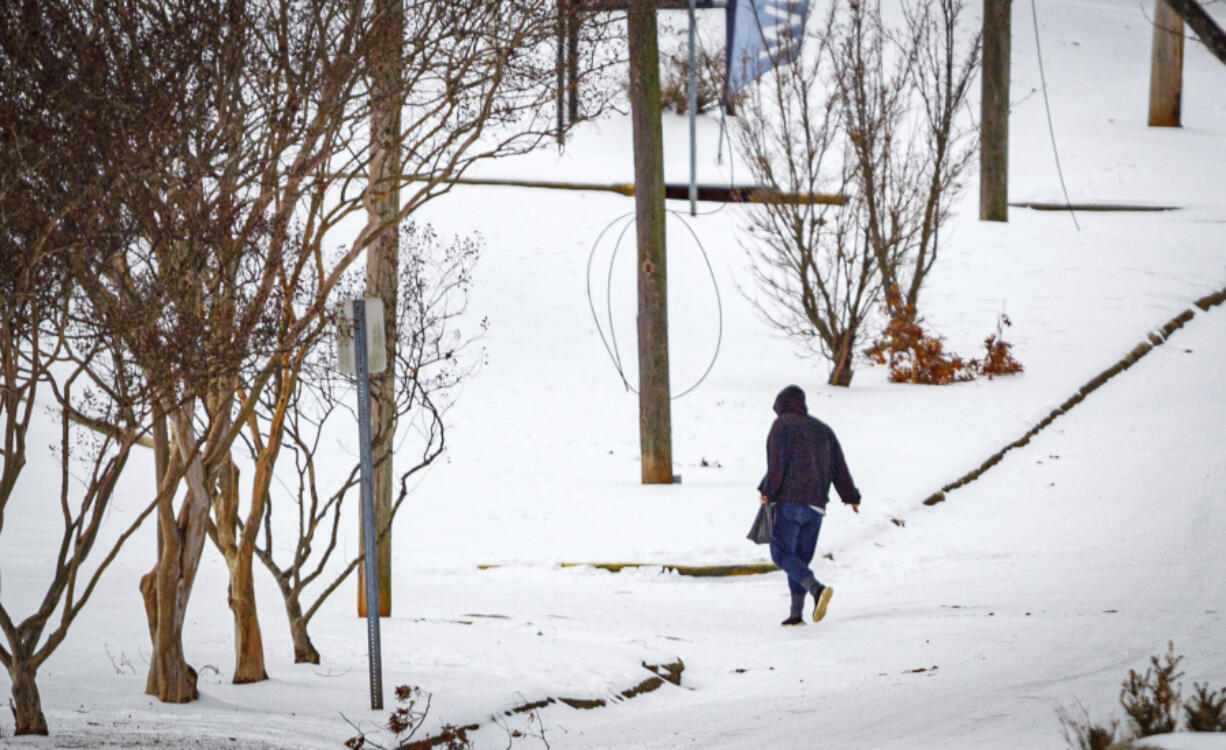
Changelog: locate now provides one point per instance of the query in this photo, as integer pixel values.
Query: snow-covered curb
(661, 673)
(1131, 358)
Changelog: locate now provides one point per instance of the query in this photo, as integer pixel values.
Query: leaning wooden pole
(1166, 68)
(382, 274)
(994, 112)
(655, 417)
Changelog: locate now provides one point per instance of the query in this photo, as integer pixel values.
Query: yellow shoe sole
(823, 601)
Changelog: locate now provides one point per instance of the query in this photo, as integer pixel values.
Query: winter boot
(821, 597)
(821, 601)
(798, 605)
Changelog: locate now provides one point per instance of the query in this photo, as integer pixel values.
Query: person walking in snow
(803, 458)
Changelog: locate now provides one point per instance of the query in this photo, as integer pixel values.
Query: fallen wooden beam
(1039, 206)
(713, 193)
(606, 6)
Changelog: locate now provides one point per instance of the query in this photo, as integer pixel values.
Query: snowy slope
(1042, 583)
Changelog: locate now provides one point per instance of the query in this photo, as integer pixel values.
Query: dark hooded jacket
(803, 457)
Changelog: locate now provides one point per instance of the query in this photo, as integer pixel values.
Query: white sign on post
(375, 348)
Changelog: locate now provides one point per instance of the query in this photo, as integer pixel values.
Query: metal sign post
(693, 118)
(361, 362)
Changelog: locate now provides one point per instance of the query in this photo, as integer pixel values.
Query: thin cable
(719, 306)
(1047, 104)
(592, 305)
(731, 173)
(719, 149)
(731, 187)
(608, 295)
(610, 343)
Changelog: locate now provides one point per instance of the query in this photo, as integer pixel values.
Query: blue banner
(762, 34)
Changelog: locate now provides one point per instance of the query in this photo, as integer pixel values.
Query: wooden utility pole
(655, 417)
(1166, 67)
(382, 272)
(560, 71)
(572, 59)
(994, 112)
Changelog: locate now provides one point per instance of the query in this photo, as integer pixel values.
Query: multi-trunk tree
(68, 107)
(231, 139)
(814, 271)
(873, 111)
(432, 361)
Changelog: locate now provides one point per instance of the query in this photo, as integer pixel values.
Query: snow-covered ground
(1039, 585)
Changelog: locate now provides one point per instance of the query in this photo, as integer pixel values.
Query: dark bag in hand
(763, 525)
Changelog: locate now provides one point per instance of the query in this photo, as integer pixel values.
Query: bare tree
(239, 135)
(945, 65)
(902, 92)
(873, 78)
(814, 269)
(194, 299)
(268, 127)
(435, 279)
(91, 460)
(63, 130)
(228, 124)
(872, 110)
(473, 82)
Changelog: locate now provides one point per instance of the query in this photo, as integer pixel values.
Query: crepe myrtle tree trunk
(238, 551)
(304, 650)
(237, 545)
(248, 643)
(167, 588)
(27, 706)
(171, 679)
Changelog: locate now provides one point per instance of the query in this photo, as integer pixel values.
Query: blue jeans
(794, 541)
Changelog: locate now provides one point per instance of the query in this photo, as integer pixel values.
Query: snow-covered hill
(1039, 585)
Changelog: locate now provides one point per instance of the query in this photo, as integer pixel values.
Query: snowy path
(1118, 551)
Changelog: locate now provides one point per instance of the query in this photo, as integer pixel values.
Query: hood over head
(791, 400)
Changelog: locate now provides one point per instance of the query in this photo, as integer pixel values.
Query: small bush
(1206, 709)
(1083, 734)
(916, 356)
(999, 360)
(404, 722)
(451, 737)
(1151, 701)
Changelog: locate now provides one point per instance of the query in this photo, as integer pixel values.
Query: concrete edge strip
(695, 571)
(1119, 207)
(1156, 338)
(661, 673)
